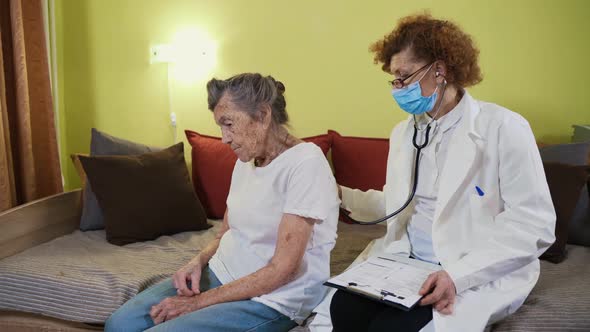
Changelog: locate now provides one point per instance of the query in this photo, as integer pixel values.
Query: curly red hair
(430, 40)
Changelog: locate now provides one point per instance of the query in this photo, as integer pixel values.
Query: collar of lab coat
(448, 120)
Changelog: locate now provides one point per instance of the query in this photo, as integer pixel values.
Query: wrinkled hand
(192, 272)
(441, 292)
(173, 307)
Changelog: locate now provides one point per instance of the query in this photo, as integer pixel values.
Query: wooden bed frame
(37, 222)
(29, 225)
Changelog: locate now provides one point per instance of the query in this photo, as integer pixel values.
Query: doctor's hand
(439, 290)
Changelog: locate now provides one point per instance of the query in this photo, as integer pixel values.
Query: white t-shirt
(299, 181)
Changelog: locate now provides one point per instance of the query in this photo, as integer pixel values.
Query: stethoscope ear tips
(438, 74)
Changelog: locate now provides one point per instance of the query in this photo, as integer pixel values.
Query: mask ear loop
(426, 72)
(442, 96)
(444, 89)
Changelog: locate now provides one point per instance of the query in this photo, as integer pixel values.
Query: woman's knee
(132, 316)
(116, 322)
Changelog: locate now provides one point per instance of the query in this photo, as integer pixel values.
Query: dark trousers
(356, 314)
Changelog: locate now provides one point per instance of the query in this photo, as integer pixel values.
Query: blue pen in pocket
(479, 191)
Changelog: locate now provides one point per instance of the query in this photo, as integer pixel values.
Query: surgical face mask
(411, 100)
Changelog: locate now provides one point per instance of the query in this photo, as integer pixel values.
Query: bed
(40, 245)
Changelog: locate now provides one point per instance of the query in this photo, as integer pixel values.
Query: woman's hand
(192, 272)
(173, 307)
(441, 292)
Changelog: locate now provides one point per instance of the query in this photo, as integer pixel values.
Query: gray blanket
(81, 277)
(561, 299)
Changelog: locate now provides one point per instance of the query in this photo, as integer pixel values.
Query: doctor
(482, 208)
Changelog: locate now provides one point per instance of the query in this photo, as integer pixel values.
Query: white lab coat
(488, 244)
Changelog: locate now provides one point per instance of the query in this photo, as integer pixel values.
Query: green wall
(533, 54)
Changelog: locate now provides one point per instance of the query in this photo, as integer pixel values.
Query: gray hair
(251, 91)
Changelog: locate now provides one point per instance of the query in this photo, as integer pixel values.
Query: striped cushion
(81, 277)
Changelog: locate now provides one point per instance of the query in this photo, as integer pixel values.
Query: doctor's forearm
(503, 253)
(368, 204)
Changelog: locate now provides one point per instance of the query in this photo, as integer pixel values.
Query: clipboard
(391, 279)
(367, 295)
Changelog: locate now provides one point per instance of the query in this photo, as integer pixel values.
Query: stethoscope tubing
(419, 148)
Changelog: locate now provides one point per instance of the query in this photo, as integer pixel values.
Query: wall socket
(173, 119)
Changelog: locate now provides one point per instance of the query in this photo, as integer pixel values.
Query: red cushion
(359, 162)
(213, 163)
(323, 141)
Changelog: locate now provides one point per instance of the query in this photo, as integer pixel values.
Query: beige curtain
(29, 160)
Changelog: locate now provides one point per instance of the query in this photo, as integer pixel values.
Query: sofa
(85, 276)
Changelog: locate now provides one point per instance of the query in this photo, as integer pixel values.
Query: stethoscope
(418, 148)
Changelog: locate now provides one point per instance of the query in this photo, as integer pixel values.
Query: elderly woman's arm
(293, 236)
(192, 270)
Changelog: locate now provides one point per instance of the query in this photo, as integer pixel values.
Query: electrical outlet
(173, 119)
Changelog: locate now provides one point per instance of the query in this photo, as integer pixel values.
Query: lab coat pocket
(481, 209)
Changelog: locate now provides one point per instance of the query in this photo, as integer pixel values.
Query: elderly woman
(265, 270)
(481, 209)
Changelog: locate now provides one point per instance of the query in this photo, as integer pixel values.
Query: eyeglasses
(399, 83)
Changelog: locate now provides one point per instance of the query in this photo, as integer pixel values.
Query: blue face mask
(411, 100)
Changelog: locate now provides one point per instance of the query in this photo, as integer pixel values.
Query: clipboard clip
(354, 284)
(385, 293)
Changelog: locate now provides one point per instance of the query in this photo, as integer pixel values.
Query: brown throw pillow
(565, 183)
(145, 196)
